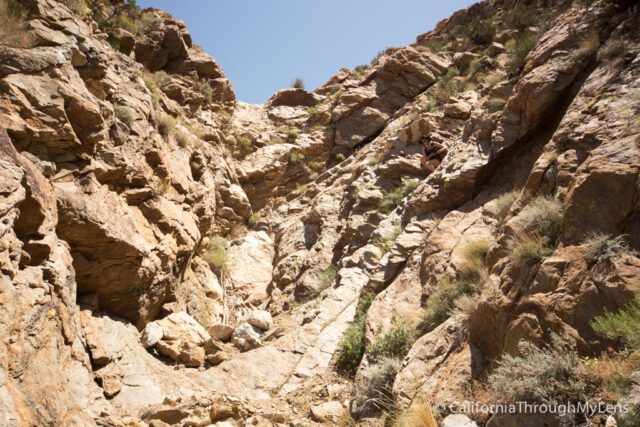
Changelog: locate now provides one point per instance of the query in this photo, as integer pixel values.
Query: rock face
(171, 256)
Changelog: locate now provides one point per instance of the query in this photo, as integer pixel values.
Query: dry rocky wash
(172, 256)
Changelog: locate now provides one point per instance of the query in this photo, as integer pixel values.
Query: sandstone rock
(496, 49)
(327, 412)
(293, 97)
(458, 420)
(260, 318)
(251, 265)
(183, 339)
(220, 331)
(458, 110)
(151, 334)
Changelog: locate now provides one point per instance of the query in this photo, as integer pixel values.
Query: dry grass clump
(373, 386)
(603, 247)
(518, 50)
(123, 113)
(419, 414)
(166, 125)
(216, 254)
(352, 345)
(612, 50)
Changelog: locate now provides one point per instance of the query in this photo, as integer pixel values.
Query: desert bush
(13, 31)
(183, 138)
(602, 247)
(297, 83)
(161, 186)
(124, 114)
(625, 324)
(246, 146)
(545, 375)
(205, 89)
(530, 248)
(372, 391)
(352, 345)
(296, 156)
(518, 50)
(376, 58)
(316, 165)
(441, 302)
(394, 343)
(216, 254)
(467, 304)
(482, 31)
(447, 86)
(386, 242)
(293, 133)
(542, 215)
(327, 276)
(613, 49)
(419, 414)
(474, 253)
(78, 7)
(166, 124)
(340, 157)
(392, 198)
(434, 45)
(300, 189)
(253, 219)
(520, 18)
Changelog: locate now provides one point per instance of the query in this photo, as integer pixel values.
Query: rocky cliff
(171, 256)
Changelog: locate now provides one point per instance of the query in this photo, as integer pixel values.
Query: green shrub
(613, 49)
(518, 50)
(300, 189)
(293, 133)
(394, 343)
(13, 31)
(434, 45)
(474, 253)
(327, 276)
(441, 302)
(166, 124)
(352, 345)
(624, 324)
(376, 159)
(340, 157)
(254, 219)
(543, 375)
(216, 254)
(447, 86)
(78, 7)
(482, 31)
(602, 247)
(385, 243)
(520, 18)
(530, 248)
(205, 89)
(246, 146)
(316, 165)
(124, 114)
(541, 222)
(376, 58)
(392, 198)
(297, 83)
(296, 156)
(504, 203)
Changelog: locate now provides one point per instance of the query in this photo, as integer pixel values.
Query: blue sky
(262, 45)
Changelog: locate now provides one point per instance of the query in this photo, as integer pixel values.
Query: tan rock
(220, 331)
(327, 412)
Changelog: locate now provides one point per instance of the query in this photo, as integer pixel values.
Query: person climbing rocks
(432, 153)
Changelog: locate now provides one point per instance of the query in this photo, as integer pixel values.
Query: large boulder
(183, 339)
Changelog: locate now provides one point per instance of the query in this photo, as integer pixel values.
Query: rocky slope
(169, 255)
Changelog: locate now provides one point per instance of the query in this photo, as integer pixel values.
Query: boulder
(293, 97)
(220, 331)
(458, 109)
(458, 420)
(183, 339)
(327, 412)
(151, 334)
(246, 337)
(260, 318)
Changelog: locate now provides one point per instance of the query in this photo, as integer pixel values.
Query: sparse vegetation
(153, 82)
(419, 414)
(296, 156)
(124, 114)
(293, 133)
(602, 247)
(297, 83)
(625, 324)
(246, 146)
(166, 125)
(216, 254)
(327, 276)
(394, 343)
(352, 345)
(482, 31)
(434, 45)
(340, 157)
(376, 58)
(613, 49)
(78, 7)
(205, 89)
(375, 159)
(504, 203)
(494, 78)
(520, 18)
(545, 375)
(316, 165)
(385, 243)
(183, 138)
(254, 219)
(373, 387)
(392, 198)
(541, 222)
(447, 86)
(161, 186)
(518, 50)
(13, 32)
(474, 253)
(300, 189)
